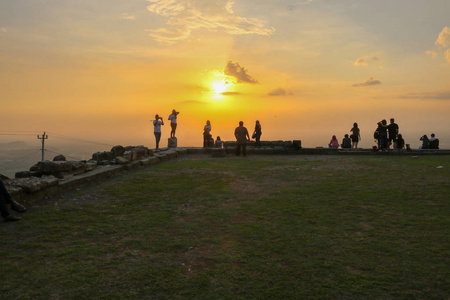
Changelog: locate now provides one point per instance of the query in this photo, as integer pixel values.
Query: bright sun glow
(219, 87)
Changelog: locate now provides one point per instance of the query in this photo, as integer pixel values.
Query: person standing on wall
(173, 122)
(157, 123)
(207, 135)
(356, 136)
(242, 136)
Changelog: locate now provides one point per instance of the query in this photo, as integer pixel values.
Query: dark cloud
(427, 96)
(241, 75)
(230, 93)
(370, 81)
(280, 92)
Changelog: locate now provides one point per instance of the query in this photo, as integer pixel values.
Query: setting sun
(219, 87)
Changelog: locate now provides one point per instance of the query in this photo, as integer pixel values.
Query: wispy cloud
(447, 55)
(3, 29)
(279, 92)
(365, 60)
(444, 37)
(189, 15)
(238, 73)
(192, 102)
(432, 53)
(427, 96)
(370, 81)
(127, 17)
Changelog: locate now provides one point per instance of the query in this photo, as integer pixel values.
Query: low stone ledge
(219, 152)
(149, 161)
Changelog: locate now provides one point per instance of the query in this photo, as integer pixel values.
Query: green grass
(261, 227)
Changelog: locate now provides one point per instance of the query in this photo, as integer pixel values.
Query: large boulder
(118, 150)
(59, 157)
(102, 156)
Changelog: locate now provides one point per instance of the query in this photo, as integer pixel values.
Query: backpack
(376, 134)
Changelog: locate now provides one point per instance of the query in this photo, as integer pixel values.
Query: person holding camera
(173, 122)
(157, 123)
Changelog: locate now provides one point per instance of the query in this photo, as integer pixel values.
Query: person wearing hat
(393, 133)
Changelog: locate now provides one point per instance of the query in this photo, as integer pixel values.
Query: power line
(65, 137)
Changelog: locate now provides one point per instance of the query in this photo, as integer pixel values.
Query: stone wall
(59, 173)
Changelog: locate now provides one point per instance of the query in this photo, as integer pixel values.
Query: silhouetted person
(356, 136)
(333, 143)
(425, 142)
(434, 142)
(257, 134)
(218, 143)
(207, 134)
(393, 132)
(5, 199)
(173, 122)
(157, 123)
(400, 142)
(383, 140)
(242, 136)
(346, 142)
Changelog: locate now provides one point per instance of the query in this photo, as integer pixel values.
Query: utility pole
(43, 138)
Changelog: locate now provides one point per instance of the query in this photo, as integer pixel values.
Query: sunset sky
(306, 69)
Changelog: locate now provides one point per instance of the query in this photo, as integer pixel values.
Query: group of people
(158, 122)
(348, 142)
(429, 143)
(241, 133)
(385, 135)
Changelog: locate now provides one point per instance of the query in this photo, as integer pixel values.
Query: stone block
(172, 142)
(120, 160)
(297, 144)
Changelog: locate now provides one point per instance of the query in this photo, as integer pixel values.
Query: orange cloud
(444, 37)
(187, 16)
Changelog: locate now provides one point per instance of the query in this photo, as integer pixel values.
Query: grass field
(261, 227)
